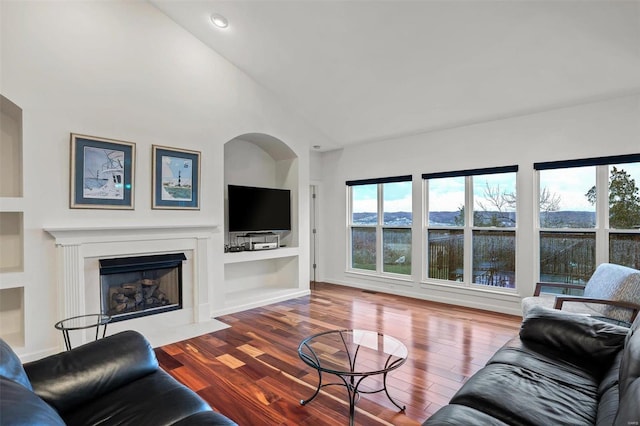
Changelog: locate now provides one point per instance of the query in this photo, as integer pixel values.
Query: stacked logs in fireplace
(136, 296)
(132, 287)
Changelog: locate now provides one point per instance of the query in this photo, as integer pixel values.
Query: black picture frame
(102, 173)
(176, 178)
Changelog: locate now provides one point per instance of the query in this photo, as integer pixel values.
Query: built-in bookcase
(11, 225)
(255, 278)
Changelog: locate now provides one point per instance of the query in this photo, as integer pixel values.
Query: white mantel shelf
(102, 234)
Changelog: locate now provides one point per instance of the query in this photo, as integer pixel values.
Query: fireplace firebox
(132, 287)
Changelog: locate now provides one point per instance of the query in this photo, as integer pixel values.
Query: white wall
(123, 70)
(315, 166)
(248, 164)
(604, 128)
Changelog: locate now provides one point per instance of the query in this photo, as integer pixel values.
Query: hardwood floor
(251, 371)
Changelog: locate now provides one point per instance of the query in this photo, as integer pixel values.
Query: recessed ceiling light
(219, 21)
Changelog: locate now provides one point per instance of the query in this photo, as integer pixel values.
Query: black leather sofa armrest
(21, 407)
(577, 338)
(68, 379)
(560, 300)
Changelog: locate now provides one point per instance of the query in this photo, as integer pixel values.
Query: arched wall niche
(259, 159)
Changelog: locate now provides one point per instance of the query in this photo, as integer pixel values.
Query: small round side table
(352, 356)
(82, 322)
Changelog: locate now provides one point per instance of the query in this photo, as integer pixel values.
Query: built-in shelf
(10, 149)
(11, 242)
(12, 316)
(11, 204)
(12, 279)
(12, 311)
(251, 256)
(261, 277)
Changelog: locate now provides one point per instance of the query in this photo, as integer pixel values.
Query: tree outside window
(572, 225)
(487, 238)
(624, 214)
(494, 251)
(624, 199)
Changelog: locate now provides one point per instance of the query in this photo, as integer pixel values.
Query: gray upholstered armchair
(612, 292)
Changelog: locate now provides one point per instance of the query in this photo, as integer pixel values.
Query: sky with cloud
(447, 194)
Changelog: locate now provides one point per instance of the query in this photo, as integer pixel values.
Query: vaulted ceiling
(360, 71)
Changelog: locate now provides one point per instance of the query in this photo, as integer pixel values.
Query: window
(624, 214)
(588, 213)
(445, 233)
(380, 225)
(471, 226)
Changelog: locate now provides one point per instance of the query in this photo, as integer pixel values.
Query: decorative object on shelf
(176, 178)
(102, 173)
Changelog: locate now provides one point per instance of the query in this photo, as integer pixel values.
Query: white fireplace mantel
(80, 247)
(84, 235)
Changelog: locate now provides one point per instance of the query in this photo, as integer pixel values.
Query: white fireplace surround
(80, 249)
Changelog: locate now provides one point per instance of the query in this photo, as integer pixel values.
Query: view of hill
(561, 219)
(391, 219)
(568, 219)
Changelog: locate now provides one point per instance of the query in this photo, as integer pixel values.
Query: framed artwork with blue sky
(176, 178)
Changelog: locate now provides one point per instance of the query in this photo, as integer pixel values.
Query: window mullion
(468, 231)
(349, 227)
(602, 214)
(425, 230)
(538, 226)
(350, 206)
(379, 227)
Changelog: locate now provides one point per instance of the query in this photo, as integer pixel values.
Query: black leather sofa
(112, 381)
(564, 369)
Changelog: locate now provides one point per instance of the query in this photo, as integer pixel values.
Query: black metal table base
(343, 361)
(352, 383)
(67, 339)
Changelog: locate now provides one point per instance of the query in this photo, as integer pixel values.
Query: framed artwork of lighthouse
(176, 178)
(102, 173)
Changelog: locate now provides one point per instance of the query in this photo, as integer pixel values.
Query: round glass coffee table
(352, 355)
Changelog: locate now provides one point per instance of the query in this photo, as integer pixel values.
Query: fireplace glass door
(137, 286)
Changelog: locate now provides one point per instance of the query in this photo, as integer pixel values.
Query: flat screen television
(253, 209)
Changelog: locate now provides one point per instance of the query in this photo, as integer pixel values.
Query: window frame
(379, 226)
(602, 230)
(468, 229)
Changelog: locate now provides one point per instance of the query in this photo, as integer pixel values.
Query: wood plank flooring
(251, 371)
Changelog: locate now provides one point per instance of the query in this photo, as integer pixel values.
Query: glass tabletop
(353, 352)
(82, 321)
